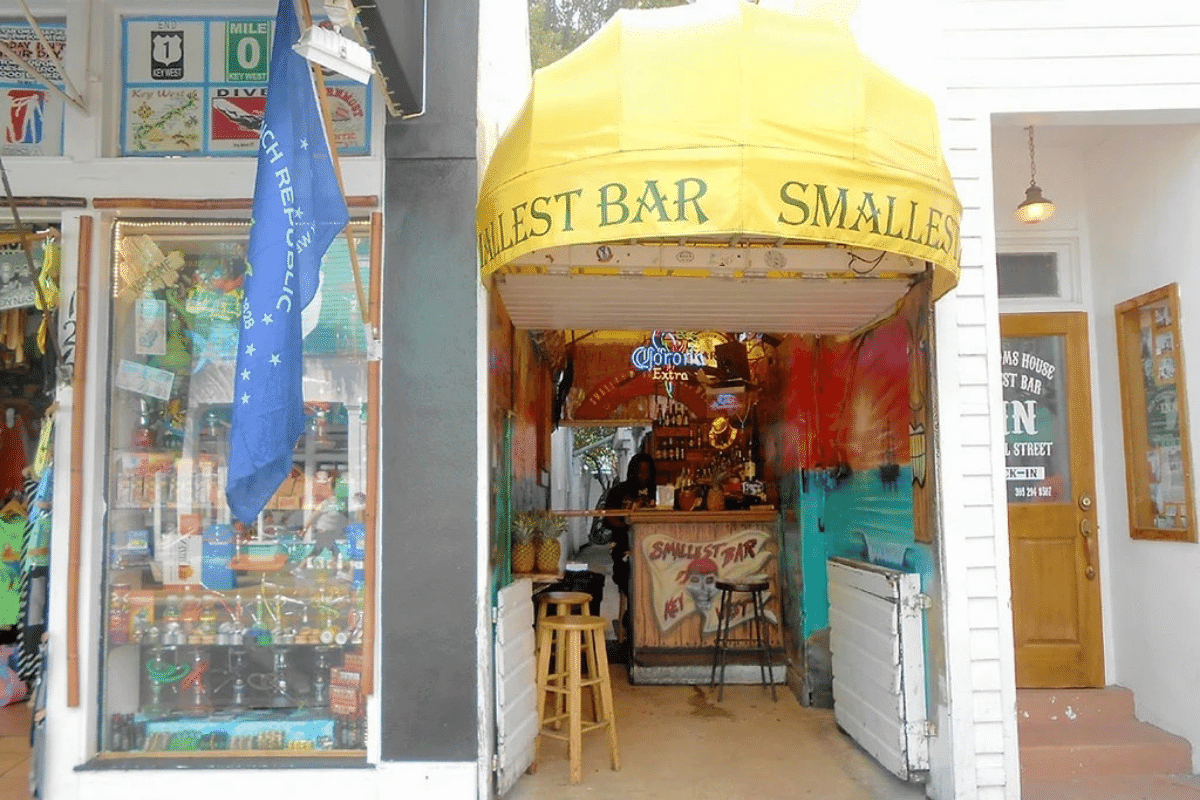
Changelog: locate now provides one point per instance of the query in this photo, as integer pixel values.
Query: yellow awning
(756, 123)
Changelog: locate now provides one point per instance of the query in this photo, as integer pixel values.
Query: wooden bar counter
(677, 557)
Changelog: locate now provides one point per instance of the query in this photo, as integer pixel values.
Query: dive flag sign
(298, 210)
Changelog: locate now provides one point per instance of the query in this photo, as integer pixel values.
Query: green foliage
(556, 27)
(553, 525)
(526, 525)
(593, 447)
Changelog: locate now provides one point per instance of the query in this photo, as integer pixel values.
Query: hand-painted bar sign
(684, 574)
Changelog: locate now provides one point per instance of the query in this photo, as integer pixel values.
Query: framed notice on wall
(1158, 462)
(31, 114)
(197, 86)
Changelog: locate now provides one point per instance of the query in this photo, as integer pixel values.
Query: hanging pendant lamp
(1035, 208)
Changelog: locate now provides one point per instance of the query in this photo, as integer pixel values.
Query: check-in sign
(1025, 473)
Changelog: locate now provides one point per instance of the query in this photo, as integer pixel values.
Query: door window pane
(1037, 433)
(1027, 275)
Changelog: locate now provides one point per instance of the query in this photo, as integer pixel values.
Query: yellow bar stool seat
(570, 633)
(562, 604)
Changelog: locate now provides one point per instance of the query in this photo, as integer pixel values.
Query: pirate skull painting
(700, 580)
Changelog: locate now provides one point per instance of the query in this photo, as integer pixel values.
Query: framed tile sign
(197, 86)
(1158, 460)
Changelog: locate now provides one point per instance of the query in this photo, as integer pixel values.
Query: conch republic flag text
(740, 121)
(298, 211)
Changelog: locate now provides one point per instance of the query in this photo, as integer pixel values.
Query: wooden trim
(1131, 362)
(210, 204)
(47, 201)
(78, 409)
(369, 516)
(757, 514)
(590, 512)
(760, 514)
(217, 755)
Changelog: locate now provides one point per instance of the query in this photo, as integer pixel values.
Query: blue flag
(298, 211)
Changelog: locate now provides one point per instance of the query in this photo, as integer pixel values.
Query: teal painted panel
(816, 552)
(861, 518)
(791, 576)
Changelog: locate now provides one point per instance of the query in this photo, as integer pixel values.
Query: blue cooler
(216, 553)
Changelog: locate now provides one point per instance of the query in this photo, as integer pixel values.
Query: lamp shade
(334, 51)
(1035, 207)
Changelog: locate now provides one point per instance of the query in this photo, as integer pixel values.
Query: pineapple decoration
(524, 553)
(549, 548)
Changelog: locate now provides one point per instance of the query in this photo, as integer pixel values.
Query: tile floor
(677, 742)
(14, 751)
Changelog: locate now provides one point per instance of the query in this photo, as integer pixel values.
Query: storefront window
(221, 637)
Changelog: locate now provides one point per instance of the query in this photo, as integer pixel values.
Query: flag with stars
(298, 211)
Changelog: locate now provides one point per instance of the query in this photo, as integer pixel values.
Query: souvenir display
(227, 635)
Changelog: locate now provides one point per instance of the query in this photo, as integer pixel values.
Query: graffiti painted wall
(519, 384)
(852, 441)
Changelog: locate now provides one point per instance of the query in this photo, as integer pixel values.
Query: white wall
(1061, 153)
(1018, 61)
(1143, 189)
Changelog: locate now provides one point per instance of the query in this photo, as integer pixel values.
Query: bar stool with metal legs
(759, 641)
(568, 634)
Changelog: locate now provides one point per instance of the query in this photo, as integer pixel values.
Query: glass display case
(220, 637)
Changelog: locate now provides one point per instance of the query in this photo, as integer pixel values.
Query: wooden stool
(559, 604)
(571, 632)
(758, 642)
(551, 604)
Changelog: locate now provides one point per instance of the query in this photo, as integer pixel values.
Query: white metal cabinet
(878, 646)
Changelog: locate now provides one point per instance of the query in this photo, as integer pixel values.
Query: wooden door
(1050, 480)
